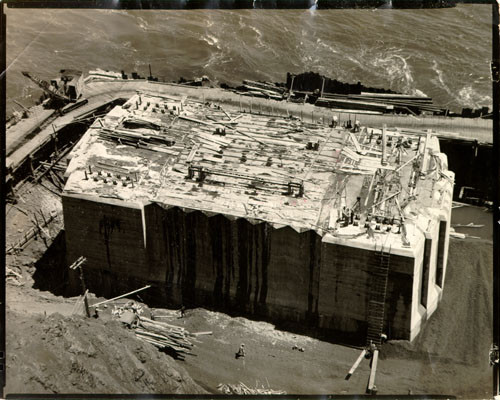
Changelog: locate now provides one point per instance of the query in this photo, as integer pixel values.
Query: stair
(378, 290)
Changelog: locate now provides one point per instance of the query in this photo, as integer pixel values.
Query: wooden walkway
(99, 93)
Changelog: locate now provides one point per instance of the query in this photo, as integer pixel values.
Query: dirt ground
(75, 354)
(450, 356)
(49, 350)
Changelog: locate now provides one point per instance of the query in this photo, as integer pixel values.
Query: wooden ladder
(378, 290)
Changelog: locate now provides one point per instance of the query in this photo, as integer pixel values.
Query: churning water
(442, 53)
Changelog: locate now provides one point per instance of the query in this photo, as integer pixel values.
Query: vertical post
(495, 69)
(30, 157)
(425, 157)
(291, 85)
(384, 161)
(54, 136)
(322, 87)
(86, 303)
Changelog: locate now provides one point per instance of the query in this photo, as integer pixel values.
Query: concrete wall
(345, 281)
(110, 235)
(195, 258)
(438, 230)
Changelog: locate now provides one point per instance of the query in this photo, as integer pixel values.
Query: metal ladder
(378, 290)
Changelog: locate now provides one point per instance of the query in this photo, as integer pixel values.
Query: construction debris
(170, 338)
(33, 232)
(262, 89)
(469, 225)
(12, 276)
(242, 389)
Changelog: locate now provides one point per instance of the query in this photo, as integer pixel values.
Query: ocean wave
(142, 23)
(397, 71)
(259, 36)
(469, 97)
(211, 40)
(357, 47)
(418, 92)
(440, 80)
(320, 43)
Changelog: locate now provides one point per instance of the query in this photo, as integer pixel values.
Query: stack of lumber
(150, 141)
(262, 89)
(382, 102)
(242, 389)
(171, 338)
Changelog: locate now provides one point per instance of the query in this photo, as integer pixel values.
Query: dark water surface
(443, 53)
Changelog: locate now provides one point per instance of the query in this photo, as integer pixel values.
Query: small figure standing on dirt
(241, 352)
(183, 311)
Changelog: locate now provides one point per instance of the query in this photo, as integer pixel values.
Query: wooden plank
(356, 143)
(371, 382)
(355, 365)
(123, 295)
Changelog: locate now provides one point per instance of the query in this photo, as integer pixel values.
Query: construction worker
(357, 126)
(494, 355)
(335, 121)
(241, 352)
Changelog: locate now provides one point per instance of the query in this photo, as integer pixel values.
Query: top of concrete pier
(200, 156)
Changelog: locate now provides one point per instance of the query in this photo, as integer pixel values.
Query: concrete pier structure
(342, 229)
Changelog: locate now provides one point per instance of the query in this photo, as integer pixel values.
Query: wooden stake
(86, 303)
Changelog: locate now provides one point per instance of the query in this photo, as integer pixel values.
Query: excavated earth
(52, 350)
